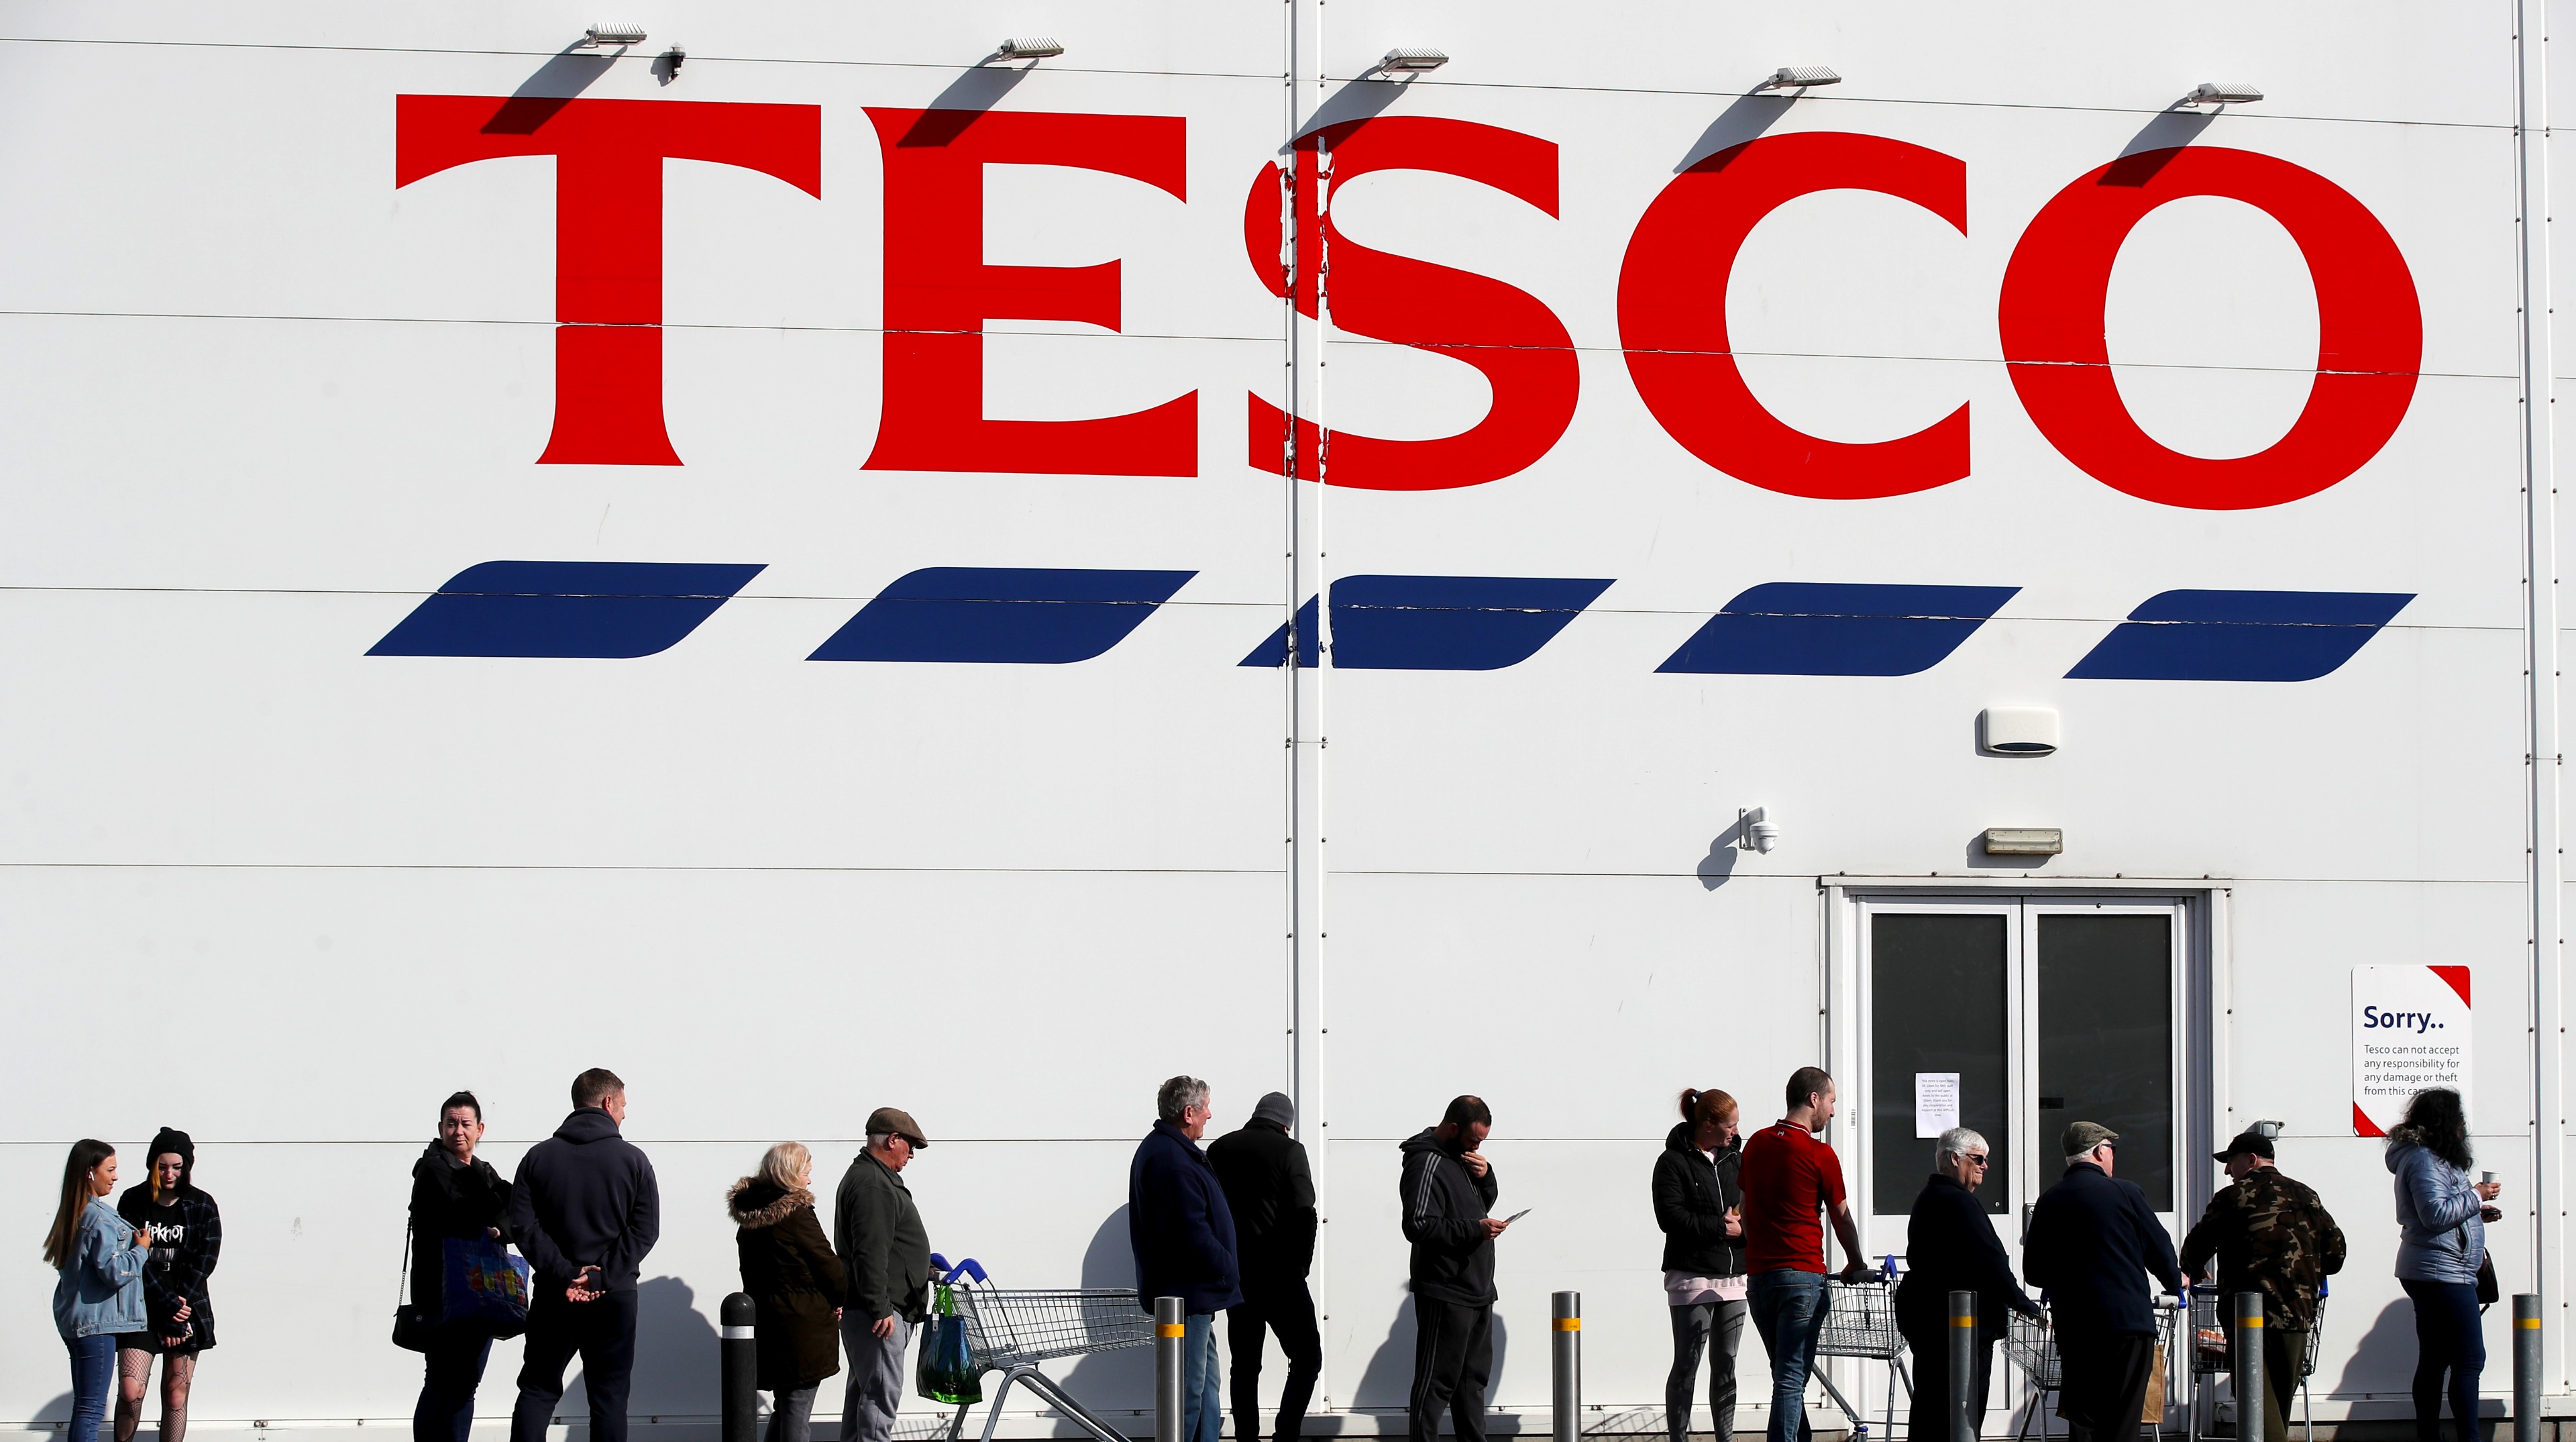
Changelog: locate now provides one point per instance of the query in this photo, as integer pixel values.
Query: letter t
(608, 231)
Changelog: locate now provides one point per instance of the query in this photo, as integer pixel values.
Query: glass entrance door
(2015, 1016)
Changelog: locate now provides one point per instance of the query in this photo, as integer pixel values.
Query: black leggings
(1696, 1325)
(2447, 1339)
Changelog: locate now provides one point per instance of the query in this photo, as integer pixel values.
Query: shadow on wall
(1387, 1380)
(58, 1410)
(676, 1357)
(2384, 1359)
(1123, 1380)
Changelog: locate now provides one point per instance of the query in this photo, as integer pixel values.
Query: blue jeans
(1202, 1409)
(2449, 1340)
(1788, 1310)
(93, 1378)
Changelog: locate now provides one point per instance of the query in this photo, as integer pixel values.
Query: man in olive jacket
(882, 1243)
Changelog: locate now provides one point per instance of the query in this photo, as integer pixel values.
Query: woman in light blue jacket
(2441, 1224)
(101, 1259)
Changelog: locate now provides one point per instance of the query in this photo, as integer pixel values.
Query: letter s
(1518, 343)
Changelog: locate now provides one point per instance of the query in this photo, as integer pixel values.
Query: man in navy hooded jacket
(585, 1209)
(1183, 1237)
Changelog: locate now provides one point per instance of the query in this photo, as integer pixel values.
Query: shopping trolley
(2209, 1358)
(1860, 1321)
(1011, 1332)
(2031, 1346)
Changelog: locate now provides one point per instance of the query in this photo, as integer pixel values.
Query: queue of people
(1232, 1227)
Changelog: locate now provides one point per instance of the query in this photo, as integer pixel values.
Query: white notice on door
(1936, 1102)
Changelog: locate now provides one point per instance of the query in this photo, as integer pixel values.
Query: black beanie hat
(171, 1139)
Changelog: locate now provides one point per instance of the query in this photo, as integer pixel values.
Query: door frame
(2203, 1000)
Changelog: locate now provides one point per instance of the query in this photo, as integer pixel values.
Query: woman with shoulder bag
(2441, 1223)
(187, 1234)
(796, 1284)
(100, 1294)
(1698, 1205)
(454, 1193)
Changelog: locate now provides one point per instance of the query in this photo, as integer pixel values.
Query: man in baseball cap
(2092, 1241)
(2271, 1235)
(882, 1243)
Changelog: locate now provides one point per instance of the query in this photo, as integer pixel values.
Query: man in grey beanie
(1271, 1192)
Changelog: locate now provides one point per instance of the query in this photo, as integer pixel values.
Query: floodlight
(1799, 77)
(1033, 47)
(2213, 92)
(601, 36)
(1412, 62)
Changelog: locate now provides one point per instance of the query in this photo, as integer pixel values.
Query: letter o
(2370, 329)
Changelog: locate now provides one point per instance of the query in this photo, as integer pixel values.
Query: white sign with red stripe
(2410, 1030)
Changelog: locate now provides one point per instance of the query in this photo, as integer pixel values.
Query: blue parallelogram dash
(1001, 615)
(2240, 635)
(599, 610)
(1436, 623)
(1799, 628)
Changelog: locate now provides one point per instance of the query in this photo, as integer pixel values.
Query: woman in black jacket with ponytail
(1698, 1204)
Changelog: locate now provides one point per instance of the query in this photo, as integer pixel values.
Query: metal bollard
(741, 1369)
(2245, 1350)
(1565, 1359)
(2526, 1367)
(1963, 1364)
(1171, 1324)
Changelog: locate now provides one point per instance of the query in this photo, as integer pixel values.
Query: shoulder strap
(402, 1288)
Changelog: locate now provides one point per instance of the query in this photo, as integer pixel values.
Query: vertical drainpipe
(2540, 676)
(1302, 91)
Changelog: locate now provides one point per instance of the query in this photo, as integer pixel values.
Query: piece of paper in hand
(1936, 1102)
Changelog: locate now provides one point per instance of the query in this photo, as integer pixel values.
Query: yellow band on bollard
(2253, 1321)
(1168, 1330)
(1569, 1324)
(2532, 1322)
(1963, 1321)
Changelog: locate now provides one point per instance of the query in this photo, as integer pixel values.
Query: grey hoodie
(2439, 1236)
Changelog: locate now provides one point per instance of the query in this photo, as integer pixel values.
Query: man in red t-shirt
(1789, 1177)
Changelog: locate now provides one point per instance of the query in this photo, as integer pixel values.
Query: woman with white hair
(796, 1285)
(1950, 1246)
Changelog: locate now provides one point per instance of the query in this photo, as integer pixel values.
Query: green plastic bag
(948, 1372)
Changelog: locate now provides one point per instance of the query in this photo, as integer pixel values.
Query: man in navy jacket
(585, 1209)
(2092, 1241)
(1183, 1236)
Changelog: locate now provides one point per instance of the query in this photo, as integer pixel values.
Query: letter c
(1672, 313)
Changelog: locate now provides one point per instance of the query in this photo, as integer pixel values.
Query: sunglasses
(1975, 1159)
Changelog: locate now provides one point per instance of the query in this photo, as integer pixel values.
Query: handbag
(412, 1331)
(484, 1285)
(2488, 1292)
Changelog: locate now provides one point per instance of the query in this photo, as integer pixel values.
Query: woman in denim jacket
(2441, 1237)
(101, 1259)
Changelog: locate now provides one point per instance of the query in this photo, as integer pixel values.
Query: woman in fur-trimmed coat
(795, 1282)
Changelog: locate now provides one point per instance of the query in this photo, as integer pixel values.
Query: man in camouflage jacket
(2271, 1235)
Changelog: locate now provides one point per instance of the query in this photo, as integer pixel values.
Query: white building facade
(775, 560)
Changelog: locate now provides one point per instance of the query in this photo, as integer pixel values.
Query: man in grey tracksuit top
(1447, 1189)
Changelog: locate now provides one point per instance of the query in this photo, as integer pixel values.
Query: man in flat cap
(878, 1233)
(2092, 1241)
(2271, 1235)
